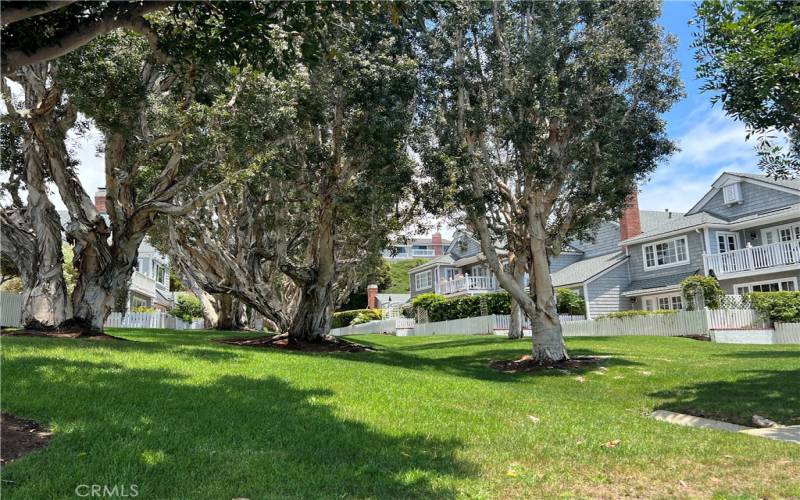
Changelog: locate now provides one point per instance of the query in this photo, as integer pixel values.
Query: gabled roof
(786, 185)
(436, 261)
(675, 224)
(584, 270)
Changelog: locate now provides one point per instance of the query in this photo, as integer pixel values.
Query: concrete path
(790, 434)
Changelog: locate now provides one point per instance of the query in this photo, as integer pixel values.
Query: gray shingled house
(745, 231)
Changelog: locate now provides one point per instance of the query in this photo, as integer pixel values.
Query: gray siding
(695, 244)
(756, 199)
(563, 260)
(606, 240)
(604, 292)
(730, 285)
(746, 235)
(412, 282)
(464, 246)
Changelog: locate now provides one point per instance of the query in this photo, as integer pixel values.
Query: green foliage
(747, 53)
(70, 273)
(187, 306)
(398, 275)
(13, 285)
(143, 309)
(635, 312)
(425, 302)
(346, 318)
(776, 306)
(707, 286)
(440, 308)
(568, 301)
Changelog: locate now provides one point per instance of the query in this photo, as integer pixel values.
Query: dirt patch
(702, 338)
(60, 334)
(526, 364)
(329, 344)
(20, 436)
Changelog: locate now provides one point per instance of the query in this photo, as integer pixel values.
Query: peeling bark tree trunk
(225, 320)
(548, 340)
(517, 314)
(312, 322)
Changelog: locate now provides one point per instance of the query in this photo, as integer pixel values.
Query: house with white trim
(745, 231)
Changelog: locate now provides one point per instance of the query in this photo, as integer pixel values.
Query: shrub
(776, 306)
(187, 307)
(467, 306)
(367, 316)
(143, 309)
(346, 318)
(569, 302)
(424, 301)
(707, 286)
(635, 312)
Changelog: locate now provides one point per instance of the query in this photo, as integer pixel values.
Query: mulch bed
(329, 344)
(526, 364)
(702, 338)
(20, 436)
(59, 334)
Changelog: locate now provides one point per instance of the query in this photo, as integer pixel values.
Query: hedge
(635, 312)
(776, 306)
(440, 308)
(344, 318)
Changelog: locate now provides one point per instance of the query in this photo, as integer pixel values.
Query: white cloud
(713, 143)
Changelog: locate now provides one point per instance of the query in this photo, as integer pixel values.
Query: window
(780, 234)
(780, 285)
(665, 253)
(732, 193)
(423, 280)
(726, 242)
(664, 302)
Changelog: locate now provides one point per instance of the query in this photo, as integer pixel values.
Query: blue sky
(710, 142)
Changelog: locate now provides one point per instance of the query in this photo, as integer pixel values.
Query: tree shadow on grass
(762, 354)
(773, 394)
(232, 437)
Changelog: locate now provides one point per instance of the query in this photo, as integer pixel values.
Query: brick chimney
(372, 296)
(436, 240)
(100, 200)
(629, 224)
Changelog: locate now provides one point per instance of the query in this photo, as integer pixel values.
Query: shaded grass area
(183, 417)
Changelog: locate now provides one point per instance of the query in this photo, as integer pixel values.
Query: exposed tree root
(528, 364)
(326, 344)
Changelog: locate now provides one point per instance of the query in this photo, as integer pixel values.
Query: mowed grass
(182, 417)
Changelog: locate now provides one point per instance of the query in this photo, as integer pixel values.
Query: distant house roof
(436, 261)
(651, 285)
(419, 241)
(393, 298)
(584, 270)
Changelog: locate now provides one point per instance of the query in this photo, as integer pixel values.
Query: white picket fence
(656, 325)
(502, 321)
(10, 309)
(734, 318)
(787, 333)
(155, 319)
(379, 326)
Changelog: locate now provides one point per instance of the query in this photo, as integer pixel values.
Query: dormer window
(732, 193)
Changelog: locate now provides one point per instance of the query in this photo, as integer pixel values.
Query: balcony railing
(142, 283)
(785, 253)
(418, 252)
(467, 283)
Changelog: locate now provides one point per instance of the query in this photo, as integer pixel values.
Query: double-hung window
(423, 280)
(666, 253)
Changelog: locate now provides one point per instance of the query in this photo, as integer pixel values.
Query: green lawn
(398, 270)
(182, 417)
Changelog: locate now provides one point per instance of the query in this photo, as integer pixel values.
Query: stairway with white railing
(783, 254)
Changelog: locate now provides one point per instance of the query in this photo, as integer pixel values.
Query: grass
(398, 270)
(182, 417)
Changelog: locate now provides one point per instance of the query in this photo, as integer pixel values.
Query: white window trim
(750, 285)
(665, 266)
(417, 277)
(729, 233)
(777, 230)
(669, 296)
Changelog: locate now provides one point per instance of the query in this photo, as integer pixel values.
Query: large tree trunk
(517, 314)
(312, 322)
(548, 340)
(225, 319)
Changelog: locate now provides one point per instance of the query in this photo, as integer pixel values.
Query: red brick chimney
(629, 224)
(100, 200)
(436, 240)
(372, 296)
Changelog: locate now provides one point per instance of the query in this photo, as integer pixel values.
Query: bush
(424, 301)
(635, 312)
(367, 316)
(569, 302)
(440, 308)
(187, 307)
(708, 286)
(776, 306)
(346, 318)
(143, 309)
